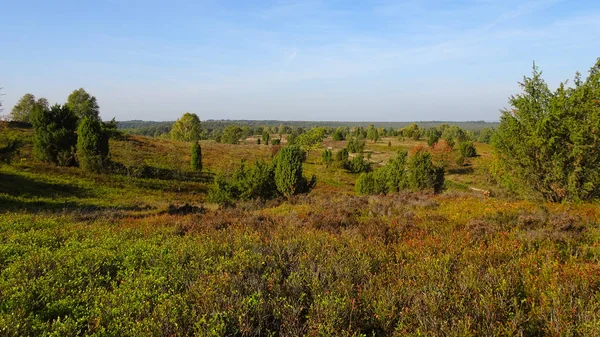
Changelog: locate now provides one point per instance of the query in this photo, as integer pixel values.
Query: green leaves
(187, 128)
(549, 140)
(55, 137)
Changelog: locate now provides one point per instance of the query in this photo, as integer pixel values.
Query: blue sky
(374, 60)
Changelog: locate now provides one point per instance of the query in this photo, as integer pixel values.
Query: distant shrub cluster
(417, 173)
(282, 177)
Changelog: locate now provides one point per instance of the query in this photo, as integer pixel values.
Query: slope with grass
(116, 254)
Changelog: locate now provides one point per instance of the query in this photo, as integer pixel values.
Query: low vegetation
(423, 231)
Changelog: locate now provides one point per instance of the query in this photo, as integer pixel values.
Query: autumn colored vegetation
(413, 231)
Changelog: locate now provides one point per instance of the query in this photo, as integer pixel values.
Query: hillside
(145, 254)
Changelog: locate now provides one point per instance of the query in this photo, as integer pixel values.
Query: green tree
(549, 142)
(467, 149)
(288, 171)
(55, 138)
(83, 104)
(422, 174)
(231, 134)
(310, 140)
(21, 112)
(196, 162)
(433, 135)
(412, 131)
(265, 137)
(372, 133)
(187, 128)
(485, 135)
(358, 164)
(327, 157)
(339, 134)
(91, 150)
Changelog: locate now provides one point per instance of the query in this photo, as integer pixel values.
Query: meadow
(121, 255)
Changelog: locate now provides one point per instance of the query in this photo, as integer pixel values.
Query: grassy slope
(110, 255)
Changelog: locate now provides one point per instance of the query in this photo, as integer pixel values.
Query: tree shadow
(19, 186)
(461, 170)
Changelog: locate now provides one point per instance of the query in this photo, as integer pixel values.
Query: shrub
(395, 173)
(276, 141)
(196, 161)
(433, 136)
(246, 183)
(467, 150)
(358, 164)
(288, 171)
(339, 134)
(265, 137)
(327, 157)
(92, 145)
(365, 184)
(441, 153)
(422, 174)
(9, 146)
(355, 145)
(55, 138)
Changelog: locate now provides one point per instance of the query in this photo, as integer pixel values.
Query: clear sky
(373, 60)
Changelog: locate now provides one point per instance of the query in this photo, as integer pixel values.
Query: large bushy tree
(231, 135)
(21, 112)
(549, 142)
(187, 128)
(55, 138)
(82, 104)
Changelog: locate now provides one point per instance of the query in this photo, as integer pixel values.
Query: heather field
(130, 254)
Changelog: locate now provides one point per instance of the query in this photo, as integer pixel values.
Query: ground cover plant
(177, 236)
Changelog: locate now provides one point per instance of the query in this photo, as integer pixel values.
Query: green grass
(111, 255)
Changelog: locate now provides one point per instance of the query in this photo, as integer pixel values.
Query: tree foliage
(21, 112)
(265, 137)
(231, 135)
(55, 138)
(196, 161)
(310, 140)
(82, 104)
(355, 145)
(187, 128)
(327, 157)
(550, 141)
(467, 149)
(92, 145)
(433, 136)
(282, 177)
(422, 173)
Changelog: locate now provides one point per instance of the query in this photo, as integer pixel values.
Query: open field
(114, 255)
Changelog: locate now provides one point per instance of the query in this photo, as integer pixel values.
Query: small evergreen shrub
(92, 145)
(358, 164)
(327, 157)
(196, 161)
(422, 174)
(467, 150)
